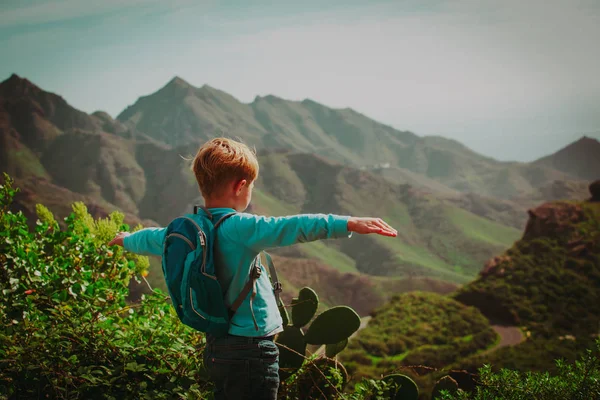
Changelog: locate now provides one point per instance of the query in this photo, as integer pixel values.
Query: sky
(511, 79)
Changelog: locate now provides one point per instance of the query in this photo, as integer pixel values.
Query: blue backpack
(189, 270)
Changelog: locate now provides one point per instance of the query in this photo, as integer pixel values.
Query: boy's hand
(118, 240)
(371, 225)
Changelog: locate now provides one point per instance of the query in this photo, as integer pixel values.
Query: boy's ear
(239, 185)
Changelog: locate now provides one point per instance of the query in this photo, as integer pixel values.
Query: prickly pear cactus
(322, 378)
(304, 307)
(292, 353)
(406, 388)
(332, 326)
(331, 350)
(446, 383)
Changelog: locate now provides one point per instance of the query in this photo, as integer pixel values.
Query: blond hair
(220, 161)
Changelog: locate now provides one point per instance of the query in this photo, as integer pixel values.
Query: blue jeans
(242, 367)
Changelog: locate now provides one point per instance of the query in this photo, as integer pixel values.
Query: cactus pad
(332, 326)
(331, 350)
(407, 389)
(291, 359)
(446, 383)
(304, 307)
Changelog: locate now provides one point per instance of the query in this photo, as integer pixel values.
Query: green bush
(68, 332)
(579, 381)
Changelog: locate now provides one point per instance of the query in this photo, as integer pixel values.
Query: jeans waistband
(236, 340)
(246, 339)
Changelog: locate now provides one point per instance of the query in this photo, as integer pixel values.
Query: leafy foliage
(67, 330)
(579, 381)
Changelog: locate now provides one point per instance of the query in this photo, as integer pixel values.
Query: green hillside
(548, 281)
(435, 239)
(545, 288)
(547, 284)
(417, 329)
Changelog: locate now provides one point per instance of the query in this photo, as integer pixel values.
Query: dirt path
(509, 336)
(363, 324)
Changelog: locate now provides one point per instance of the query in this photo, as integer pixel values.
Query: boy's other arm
(260, 233)
(148, 241)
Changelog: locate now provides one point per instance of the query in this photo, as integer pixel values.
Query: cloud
(52, 11)
(470, 69)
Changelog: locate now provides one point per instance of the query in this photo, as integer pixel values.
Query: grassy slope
(24, 163)
(317, 250)
(435, 239)
(547, 283)
(481, 229)
(417, 329)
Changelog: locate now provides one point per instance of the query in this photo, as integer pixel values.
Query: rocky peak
(15, 86)
(175, 88)
(553, 219)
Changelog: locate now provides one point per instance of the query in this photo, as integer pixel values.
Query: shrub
(579, 381)
(68, 332)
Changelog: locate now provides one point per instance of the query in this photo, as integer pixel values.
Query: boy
(245, 363)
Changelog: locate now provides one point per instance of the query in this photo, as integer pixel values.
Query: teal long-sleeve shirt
(240, 238)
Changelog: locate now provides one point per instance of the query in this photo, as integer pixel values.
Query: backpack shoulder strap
(277, 288)
(223, 218)
(250, 286)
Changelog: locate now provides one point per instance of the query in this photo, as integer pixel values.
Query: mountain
(59, 154)
(580, 159)
(512, 212)
(122, 168)
(180, 114)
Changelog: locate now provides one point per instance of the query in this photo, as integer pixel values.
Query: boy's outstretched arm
(148, 241)
(260, 233)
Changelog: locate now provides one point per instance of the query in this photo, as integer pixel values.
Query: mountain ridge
(345, 135)
(580, 158)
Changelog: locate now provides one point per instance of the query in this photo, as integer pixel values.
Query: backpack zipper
(180, 236)
(202, 237)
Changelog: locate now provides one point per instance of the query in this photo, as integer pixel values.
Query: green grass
(329, 256)
(27, 163)
(398, 216)
(318, 250)
(423, 257)
(274, 206)
(481, 229)
(417, 329)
